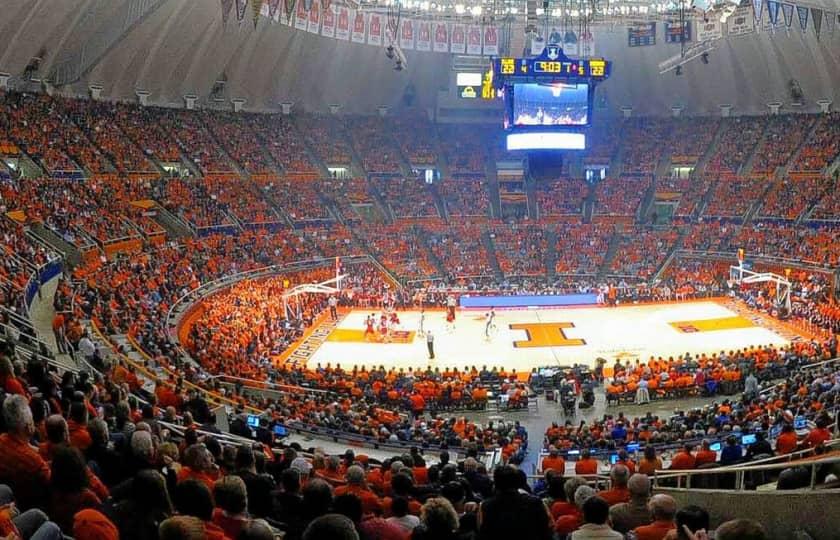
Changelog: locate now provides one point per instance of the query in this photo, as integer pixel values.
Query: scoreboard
(548, 98)
(566, 70)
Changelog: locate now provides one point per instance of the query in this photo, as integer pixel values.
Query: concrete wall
(781, 512)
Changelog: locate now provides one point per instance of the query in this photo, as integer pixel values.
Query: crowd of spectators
(465, 197)
(195, 141)
(233, 133)
(140, 125)
(822, 147)
(282, 142)
(620, 196)
(737, 142)
(399, 249)
(465, 154)
(298, 198)
(374, 142)
(642, 252)
(520, 249)
(326, 139)
(689, 138)
(690, 191)
(581, 248)
(562, 197)
(98, 120)
(416, 136)
(732, 196)
(407, 197)
(792, 196)
(189, 199)
(641, 145)
(38, 126)
(459, 247)
(828, 207)
(784, 134)
(605, 142)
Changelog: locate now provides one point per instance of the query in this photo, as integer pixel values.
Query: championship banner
(816, 16)
(328, 21)
(240, 9)
(773, 11)
(830, 20)
(709, 31)
(641, 35)
(290, 9)
(787, 13)
(441, 41)
(758, 6)
(342, 24)
(256, 8)
(458, 43)
(273, 9)
(301, 16)
(227, 5)
(375, 29)
(474, 40)
(803, 17)
(314, 25)
(677, 32)
(424, 37)
(325, 5)
(491, 41)
(407, 34)
(741, 22)
(358, 33)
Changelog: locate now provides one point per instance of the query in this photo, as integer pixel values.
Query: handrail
(739, 471)
(805, 367)
(154, 376)
(255, 384)
(811, 265)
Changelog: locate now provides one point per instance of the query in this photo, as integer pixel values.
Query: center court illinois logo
(546, 335)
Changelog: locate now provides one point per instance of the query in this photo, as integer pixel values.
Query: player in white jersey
(490, 325)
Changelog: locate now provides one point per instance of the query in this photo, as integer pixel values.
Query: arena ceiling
(176, 47)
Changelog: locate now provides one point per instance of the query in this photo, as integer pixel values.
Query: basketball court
(522, 339)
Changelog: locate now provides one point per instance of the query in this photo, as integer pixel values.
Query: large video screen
(553, 104)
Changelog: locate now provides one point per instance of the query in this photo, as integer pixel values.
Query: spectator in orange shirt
(624, 459)
(663, 508)
(818, 435)
(198, 465)
(684, 459)
(356, 485)
(77, 426)
(553, 461)
(787, 441)
(567, 506)
(618, 492)
(586, 464)
(21, 467)
(650, 463)
(8, 381)
(705, 454)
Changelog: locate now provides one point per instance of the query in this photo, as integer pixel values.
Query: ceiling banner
(458, 41)
(407, 34)
(787, 13)
(342, 24)
(491, 41)
(817, 17)
(802, 11)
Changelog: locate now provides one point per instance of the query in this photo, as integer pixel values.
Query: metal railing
(741, 472)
